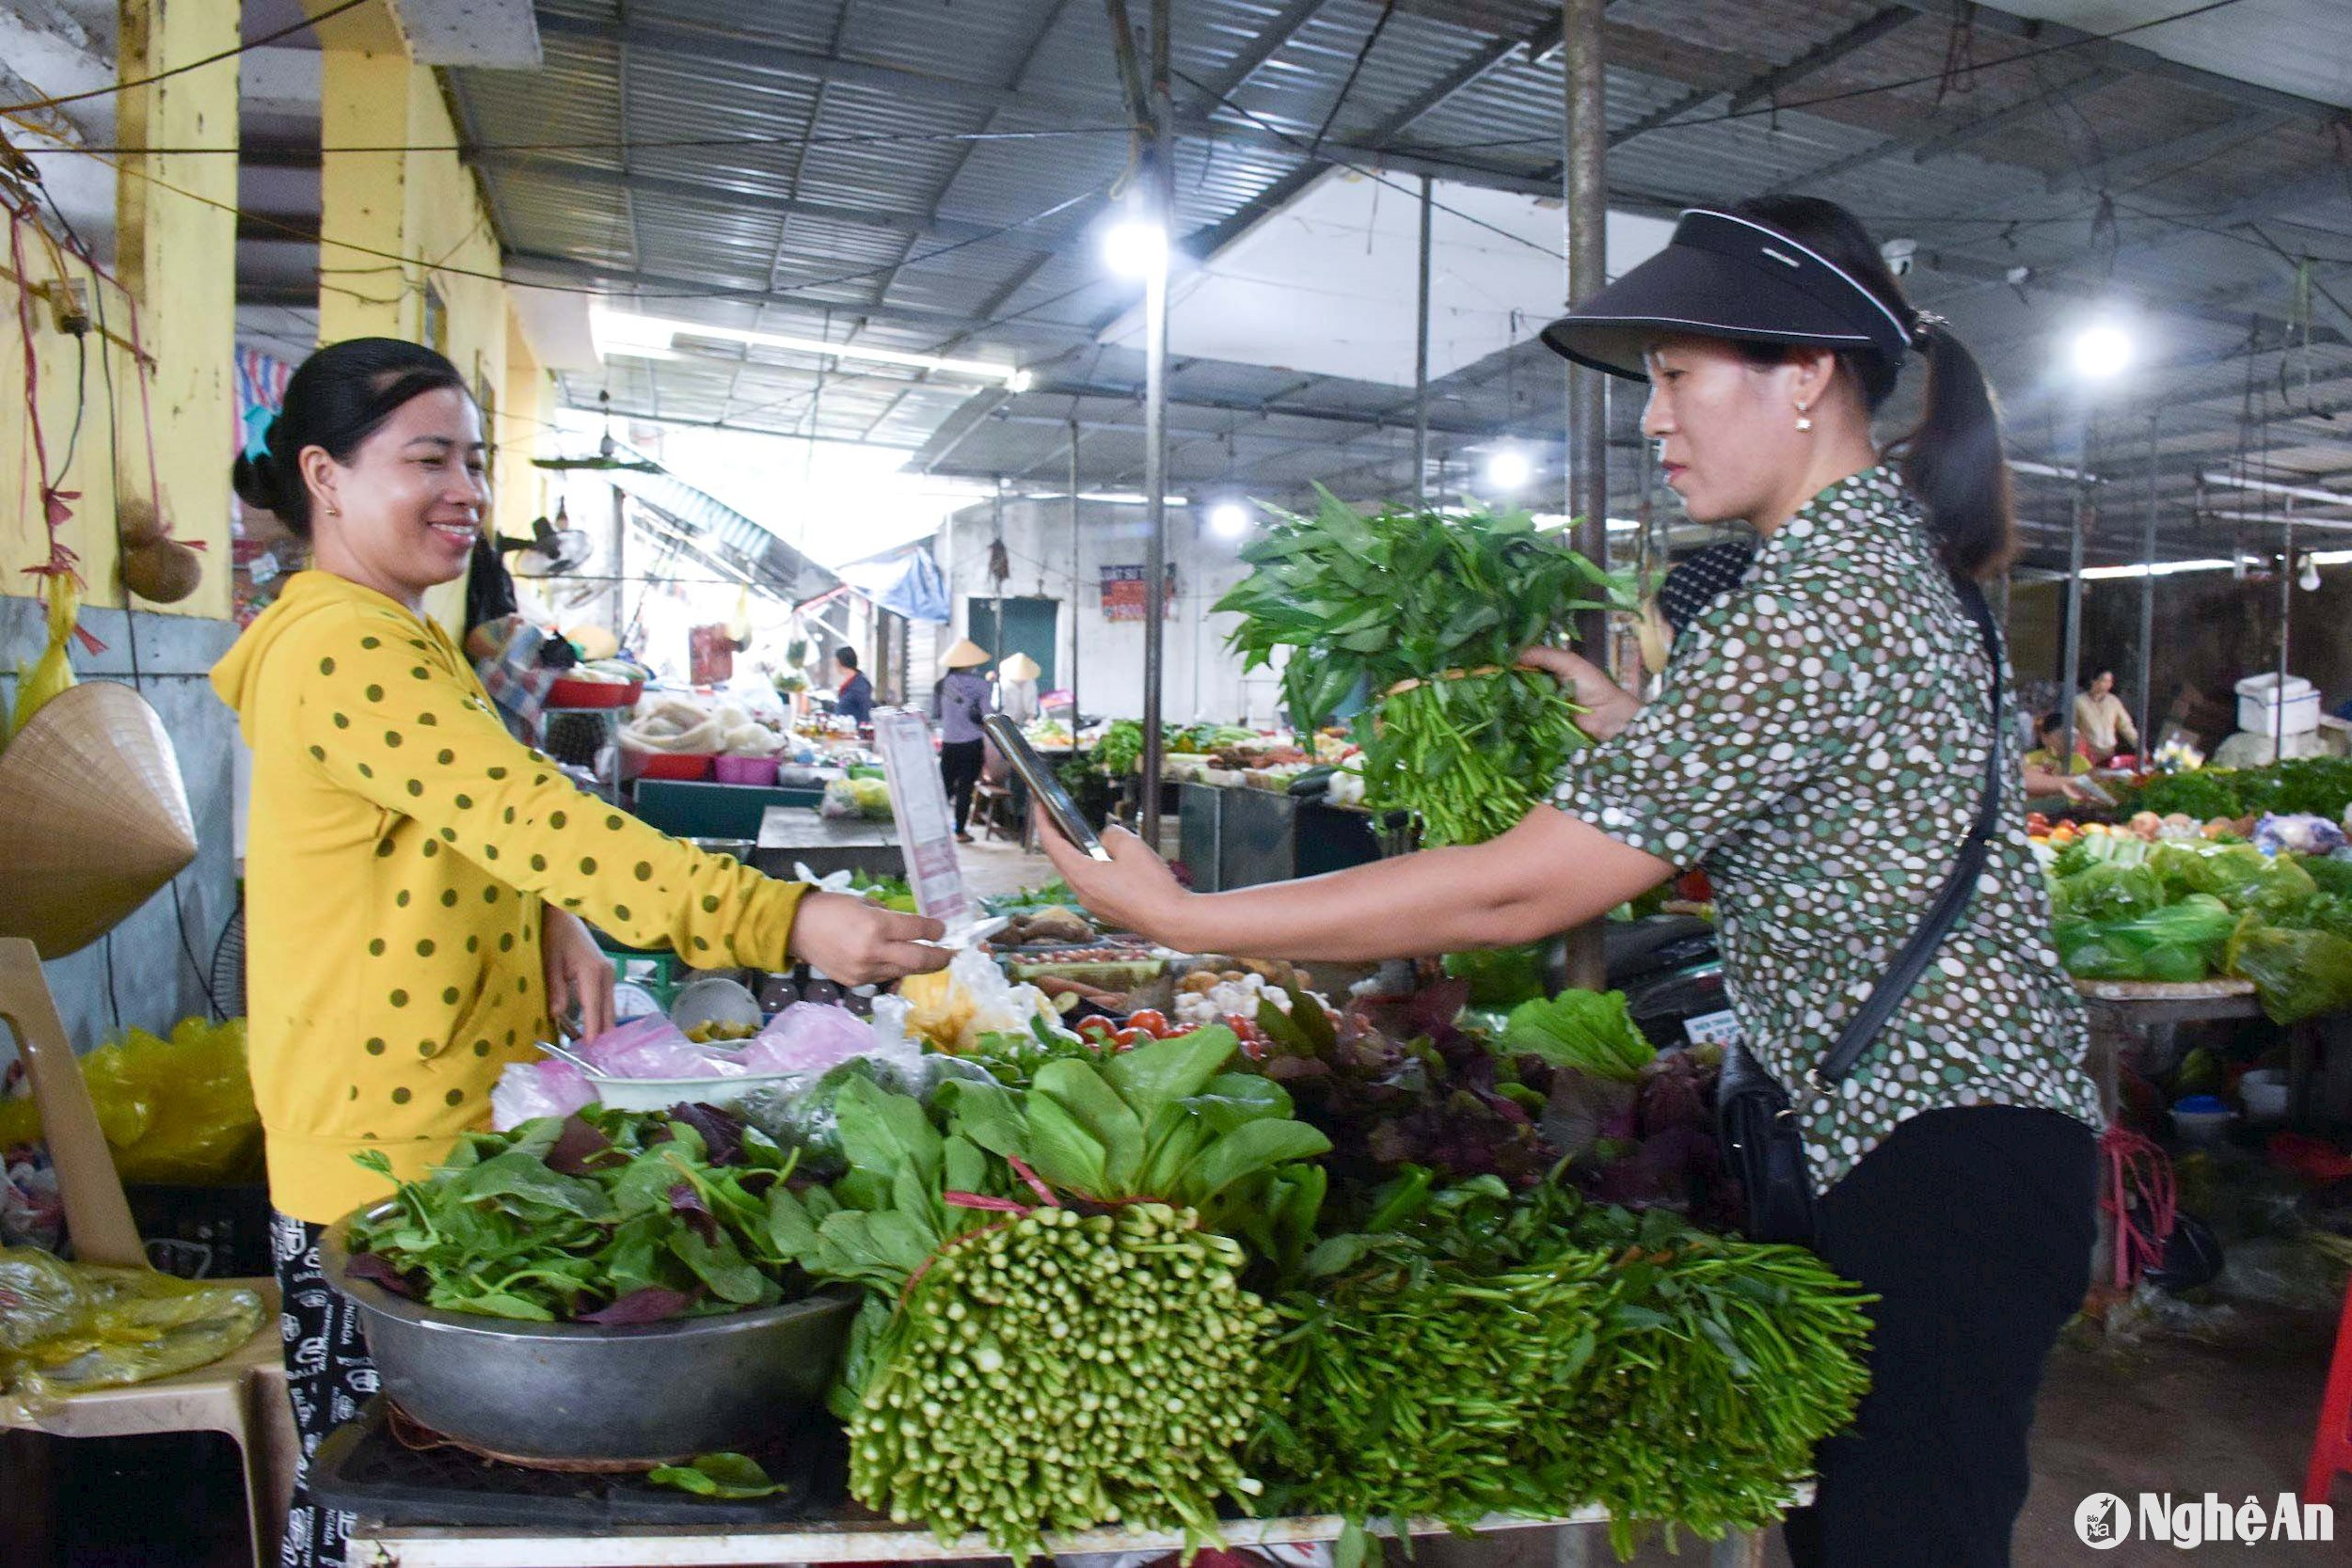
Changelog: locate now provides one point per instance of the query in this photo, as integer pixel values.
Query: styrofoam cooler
(2261, 697)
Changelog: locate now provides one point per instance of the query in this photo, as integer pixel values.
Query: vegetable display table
(855, 1536)
(790, 835)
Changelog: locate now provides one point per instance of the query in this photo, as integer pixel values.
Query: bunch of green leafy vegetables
(606, 1217)
(1471, 1349)
(1591, 1032)
(1427, 613)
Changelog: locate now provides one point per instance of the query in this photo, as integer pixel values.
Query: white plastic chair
(242, 1395)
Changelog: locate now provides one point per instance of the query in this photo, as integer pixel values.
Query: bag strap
(1863, 1028)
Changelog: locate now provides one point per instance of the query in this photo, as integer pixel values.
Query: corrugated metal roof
(847, 202)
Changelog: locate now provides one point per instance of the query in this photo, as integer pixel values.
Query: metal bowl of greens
(603, 1288)
(656, 1392)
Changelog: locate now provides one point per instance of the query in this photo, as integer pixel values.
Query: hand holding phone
(1043, 786)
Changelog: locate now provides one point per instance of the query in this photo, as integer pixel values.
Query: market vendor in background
(1821, 745)
(2044, 774)
(959, 702)
(855, 698)
(1016, 690)
(2102, 723)
(417, 878)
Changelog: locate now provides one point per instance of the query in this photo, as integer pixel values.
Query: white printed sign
(1714, 1029)
(926, 830)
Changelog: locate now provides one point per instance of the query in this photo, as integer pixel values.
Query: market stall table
(853, 1535)
(795, 836)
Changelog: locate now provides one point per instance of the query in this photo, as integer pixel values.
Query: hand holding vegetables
(1608, 707)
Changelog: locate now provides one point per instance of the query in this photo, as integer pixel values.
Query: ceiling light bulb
(1228, 519)
(1508, 469)
(1134, 249)
(2101, 351)
(2309, 582)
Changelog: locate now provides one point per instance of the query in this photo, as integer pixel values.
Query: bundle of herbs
(1473, 1350)
(1426, 614)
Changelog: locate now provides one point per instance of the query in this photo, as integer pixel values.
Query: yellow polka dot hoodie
(401, 849)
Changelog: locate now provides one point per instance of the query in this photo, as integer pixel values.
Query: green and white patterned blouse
(1819, 746)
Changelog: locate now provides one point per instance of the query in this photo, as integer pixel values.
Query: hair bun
(256, 479)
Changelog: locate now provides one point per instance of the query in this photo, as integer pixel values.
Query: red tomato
(1149, 1019)
(1127, 1039)
(1096, 1029)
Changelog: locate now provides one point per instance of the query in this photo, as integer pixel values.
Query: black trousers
(328, 1377)
(1975, 1228)
(960, 764)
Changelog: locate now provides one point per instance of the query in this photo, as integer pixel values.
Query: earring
(1805, 420)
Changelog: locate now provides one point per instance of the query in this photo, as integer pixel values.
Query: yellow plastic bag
(65, 1327)
(173, 1111)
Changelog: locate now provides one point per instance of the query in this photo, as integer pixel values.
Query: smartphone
(1046, 788)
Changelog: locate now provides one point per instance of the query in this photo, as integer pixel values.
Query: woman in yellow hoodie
(415, 877)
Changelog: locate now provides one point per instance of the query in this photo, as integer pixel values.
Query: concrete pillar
(364, 198)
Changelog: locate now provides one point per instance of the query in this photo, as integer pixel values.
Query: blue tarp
(906, 582)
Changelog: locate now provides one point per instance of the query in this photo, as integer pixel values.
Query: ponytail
(1953, 459)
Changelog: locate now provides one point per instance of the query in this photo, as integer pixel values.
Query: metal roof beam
(2171, 155)
(2130, 56)
(1926, 143)
(908, 223)
(752, 51)
(620, 280)
(1760, 88)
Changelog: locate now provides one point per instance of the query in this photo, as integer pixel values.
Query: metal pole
(2148, 607)
(2286, 613)
(1421, 360)
(1160, 181)
(2070, 677)
(1078, 629)
(1583, 169)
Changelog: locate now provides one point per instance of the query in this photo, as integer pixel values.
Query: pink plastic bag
(808, 1036)
(653, 1047)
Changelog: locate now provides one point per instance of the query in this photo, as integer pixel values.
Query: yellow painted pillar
(526, 403)
(176, 254)
(364, 198)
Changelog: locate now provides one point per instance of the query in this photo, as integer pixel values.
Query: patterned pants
(328, 1377)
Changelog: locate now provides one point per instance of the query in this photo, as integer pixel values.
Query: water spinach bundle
(1423, 615)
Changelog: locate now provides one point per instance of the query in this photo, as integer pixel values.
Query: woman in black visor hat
(1826, 741)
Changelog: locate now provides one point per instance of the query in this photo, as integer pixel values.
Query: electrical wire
(288, 31)
(766, 295)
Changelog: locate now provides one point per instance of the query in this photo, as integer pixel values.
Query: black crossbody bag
(1754, 1117)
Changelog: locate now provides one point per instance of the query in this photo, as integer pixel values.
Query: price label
(927, 829)
(1714, 1029)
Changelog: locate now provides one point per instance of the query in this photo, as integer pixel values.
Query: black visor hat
(1726, 277)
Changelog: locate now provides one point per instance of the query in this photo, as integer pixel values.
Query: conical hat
(97, 819)
(1020, 667)
(966, 655)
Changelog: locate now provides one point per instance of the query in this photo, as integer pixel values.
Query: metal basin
(577, 1391)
